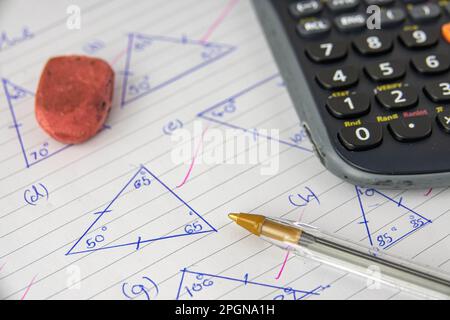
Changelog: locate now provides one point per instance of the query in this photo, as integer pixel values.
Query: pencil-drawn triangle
(384, 231)
(234, 113)
(34, 143)
(144, 210)
(153, 62)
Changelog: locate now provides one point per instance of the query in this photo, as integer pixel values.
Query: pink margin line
(300, 216)
(230, 5)
(428, 192)
(208, 33)
(28, 288)
(193, 159)
(283, 265)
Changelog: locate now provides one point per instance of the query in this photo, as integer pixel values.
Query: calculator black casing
(393, 164)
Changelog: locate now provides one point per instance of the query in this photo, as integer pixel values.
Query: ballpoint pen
(309, 242)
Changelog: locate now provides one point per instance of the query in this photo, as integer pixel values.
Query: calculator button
(425, 12)
(431, 63)
(349, 107)
(342, 5)
(301, 9)
(338, 78)
(379, 2)
(362, 137)
(392, 17)
(443, 119)
(350, 22)
(313, 27)
(400, 98)
(327, 51)
(386, 70)
(411, 129)
(446, 31)
(375, 44)
(438, 91)
(419, 38)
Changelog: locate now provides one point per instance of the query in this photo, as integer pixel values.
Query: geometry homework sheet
(127, 215)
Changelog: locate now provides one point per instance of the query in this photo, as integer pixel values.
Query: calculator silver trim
(305, 107)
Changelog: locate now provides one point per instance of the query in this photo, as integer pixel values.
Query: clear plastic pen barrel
(387, 269)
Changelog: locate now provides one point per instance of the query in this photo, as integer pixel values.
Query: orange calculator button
(446, 32)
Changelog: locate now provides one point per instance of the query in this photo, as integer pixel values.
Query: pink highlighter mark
(230, 5)
(283, 265)
(117, 58)
(193, 159)
(428, 192)
(28, 288)
(288, 251)
(2, 266)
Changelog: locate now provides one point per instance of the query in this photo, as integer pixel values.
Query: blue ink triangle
(192, 282)
(226, 113)
(154, 62)
(384, 234)
(35, 147)
(144, 210)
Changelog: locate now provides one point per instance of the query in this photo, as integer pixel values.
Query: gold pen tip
(233, 216)
(259, 225)
(251, 222)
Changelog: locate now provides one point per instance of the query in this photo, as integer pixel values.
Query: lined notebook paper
(117, 218)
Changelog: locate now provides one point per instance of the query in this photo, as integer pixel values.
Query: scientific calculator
(370, 80)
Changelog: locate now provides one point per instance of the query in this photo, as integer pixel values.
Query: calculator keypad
(382, 85)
